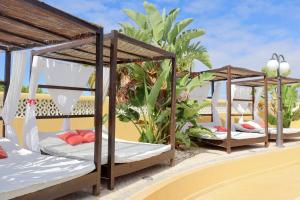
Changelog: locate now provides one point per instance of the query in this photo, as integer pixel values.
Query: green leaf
(170, 19)
(154, 93)
(179, 26)
(155, 20)
(139, 18)
(183, 139)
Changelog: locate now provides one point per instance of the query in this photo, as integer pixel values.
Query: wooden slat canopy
(31, 23)
(271, 81)
(236, 73)
(83, 50)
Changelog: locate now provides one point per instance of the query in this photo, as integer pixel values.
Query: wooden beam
(172, 131)
(112, 110)
(62, 116)
(228, 91)
(266, 111)
(67, 16)
(6, 81)
(32, 26)
(64, 46)
(144, 45)
(23, 36)
(98, 120)
(57, 87)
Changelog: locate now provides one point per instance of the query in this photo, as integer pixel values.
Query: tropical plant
(144, 88)
(162, 30)
(290, 105)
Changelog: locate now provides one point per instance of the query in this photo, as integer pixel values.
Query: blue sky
(241, 33)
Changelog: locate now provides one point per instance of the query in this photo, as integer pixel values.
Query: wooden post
(173, 110)
(228, 88)
(112, 110)
(266, 111)
(212, 94)
(253, 101)
(6, 80)
(98, 109)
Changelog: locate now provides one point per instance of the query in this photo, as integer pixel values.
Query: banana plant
(162, 30)
(145, 99)
(290, 105)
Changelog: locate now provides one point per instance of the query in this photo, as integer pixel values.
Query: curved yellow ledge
(274, 175)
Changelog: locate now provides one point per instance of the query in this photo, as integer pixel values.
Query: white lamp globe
(284, 68)
(272, 65)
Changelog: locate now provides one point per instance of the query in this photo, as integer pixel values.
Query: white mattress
(125, 151)
(25, 172)
(285, 130)
(234, 135)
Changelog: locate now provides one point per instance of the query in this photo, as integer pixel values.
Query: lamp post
(277, 63)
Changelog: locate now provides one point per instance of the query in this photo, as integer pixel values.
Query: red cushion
(220, 128)
(248, 126)
(83, 132)
(3, 153)
(71, 138)
(75, 140)
(88, 135)
(65, 135)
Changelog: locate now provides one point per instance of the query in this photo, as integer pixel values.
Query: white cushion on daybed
(125, 151)
(25, 172)
(234, 135)
(239, 127)
(285, 130)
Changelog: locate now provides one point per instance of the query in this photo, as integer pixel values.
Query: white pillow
(254, 124)
(239, 127)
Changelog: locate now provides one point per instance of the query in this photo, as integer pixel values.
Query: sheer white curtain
(14, 92)
(242, 92)
(30, 131)
(105, 82)
(214, 101)
(62, 73)
(200, 93)
(258, 94)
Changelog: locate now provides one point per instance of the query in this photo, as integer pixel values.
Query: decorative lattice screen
(46, 107)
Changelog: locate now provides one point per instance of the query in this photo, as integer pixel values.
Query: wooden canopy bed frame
(273, 81)
(229, 73)
(25, 24)
(117, 49)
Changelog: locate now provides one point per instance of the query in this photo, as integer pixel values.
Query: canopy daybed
(119, 157)
(288, 133)
(230, 138)
(25, 24)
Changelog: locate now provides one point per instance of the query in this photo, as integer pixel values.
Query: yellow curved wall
(273, 175)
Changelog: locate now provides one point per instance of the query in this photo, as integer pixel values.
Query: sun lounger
(126, 151)
(25, 172)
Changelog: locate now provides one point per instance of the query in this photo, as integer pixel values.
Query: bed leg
(172, 162)
(96, 190)
(111, 183)
(267, 144)
(228, 149)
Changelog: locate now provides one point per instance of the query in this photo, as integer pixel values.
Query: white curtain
(214, 101)
(30, 131)
(105, 82)
(258, 94)
(14, 92)
(62, 73)
(242, 92)
(200, 93)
